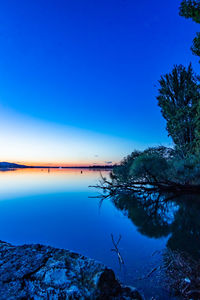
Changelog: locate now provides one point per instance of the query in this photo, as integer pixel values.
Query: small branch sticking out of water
(116, 249)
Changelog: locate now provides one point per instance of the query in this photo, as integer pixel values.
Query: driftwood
(146, 186)
(148, 275)
(116, 250)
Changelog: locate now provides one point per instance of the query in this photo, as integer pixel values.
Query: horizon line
(46, 165)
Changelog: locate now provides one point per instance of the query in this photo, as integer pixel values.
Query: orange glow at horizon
(59, 164)
(33, 142)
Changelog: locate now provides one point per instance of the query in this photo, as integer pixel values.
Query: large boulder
(42, 272)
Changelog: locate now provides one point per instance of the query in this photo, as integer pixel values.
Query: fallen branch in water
(151, 272)
(148, 275)
(146, 185)
(121, 261)
(140, 187)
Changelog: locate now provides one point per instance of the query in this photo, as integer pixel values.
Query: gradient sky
(78, 78)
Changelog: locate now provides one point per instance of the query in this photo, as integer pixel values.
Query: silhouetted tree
(160, 168)
(190, 9)
(179, 97)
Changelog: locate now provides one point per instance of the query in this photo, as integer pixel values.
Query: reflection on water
(177, 218)
(56, 207)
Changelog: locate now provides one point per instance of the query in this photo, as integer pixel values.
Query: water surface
(56, 207)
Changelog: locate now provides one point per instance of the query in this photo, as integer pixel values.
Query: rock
(42, 272)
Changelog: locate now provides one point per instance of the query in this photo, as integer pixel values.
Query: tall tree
(190, 9)
(179, 95)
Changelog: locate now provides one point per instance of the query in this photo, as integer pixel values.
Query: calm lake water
(54, 207)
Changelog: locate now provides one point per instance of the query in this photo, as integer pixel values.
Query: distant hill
(7, 165)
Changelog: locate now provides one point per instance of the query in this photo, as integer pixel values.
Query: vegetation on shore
(158, 188)
(175, 169)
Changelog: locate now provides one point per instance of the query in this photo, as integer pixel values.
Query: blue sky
(86, 71)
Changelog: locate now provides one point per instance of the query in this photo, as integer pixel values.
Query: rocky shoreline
(43, 272)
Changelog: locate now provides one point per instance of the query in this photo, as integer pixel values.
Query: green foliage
(197, 132)
(179, 97)
(191, 9)
(158, 165)
(151, 165)
(196, 45)
(121, 172)
(186, 171)
(131, 166)
(179, 100)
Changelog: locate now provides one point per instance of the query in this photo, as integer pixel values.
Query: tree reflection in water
(175, 217)
(165, 215)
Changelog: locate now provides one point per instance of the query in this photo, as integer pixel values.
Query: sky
(79, 79)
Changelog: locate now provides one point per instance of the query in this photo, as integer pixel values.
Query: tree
(179, 97)
(190, 9)
(159, 169)
(123, 170)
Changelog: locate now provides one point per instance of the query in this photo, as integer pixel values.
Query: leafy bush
(158, 164)
(149, 166)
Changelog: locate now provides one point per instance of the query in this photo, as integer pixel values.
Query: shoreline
(42, 272)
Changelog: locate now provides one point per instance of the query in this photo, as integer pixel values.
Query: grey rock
(42, 272)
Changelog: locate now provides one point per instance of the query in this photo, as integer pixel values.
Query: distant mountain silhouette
(7, 165)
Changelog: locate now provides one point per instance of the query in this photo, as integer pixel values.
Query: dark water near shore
(54, 208)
